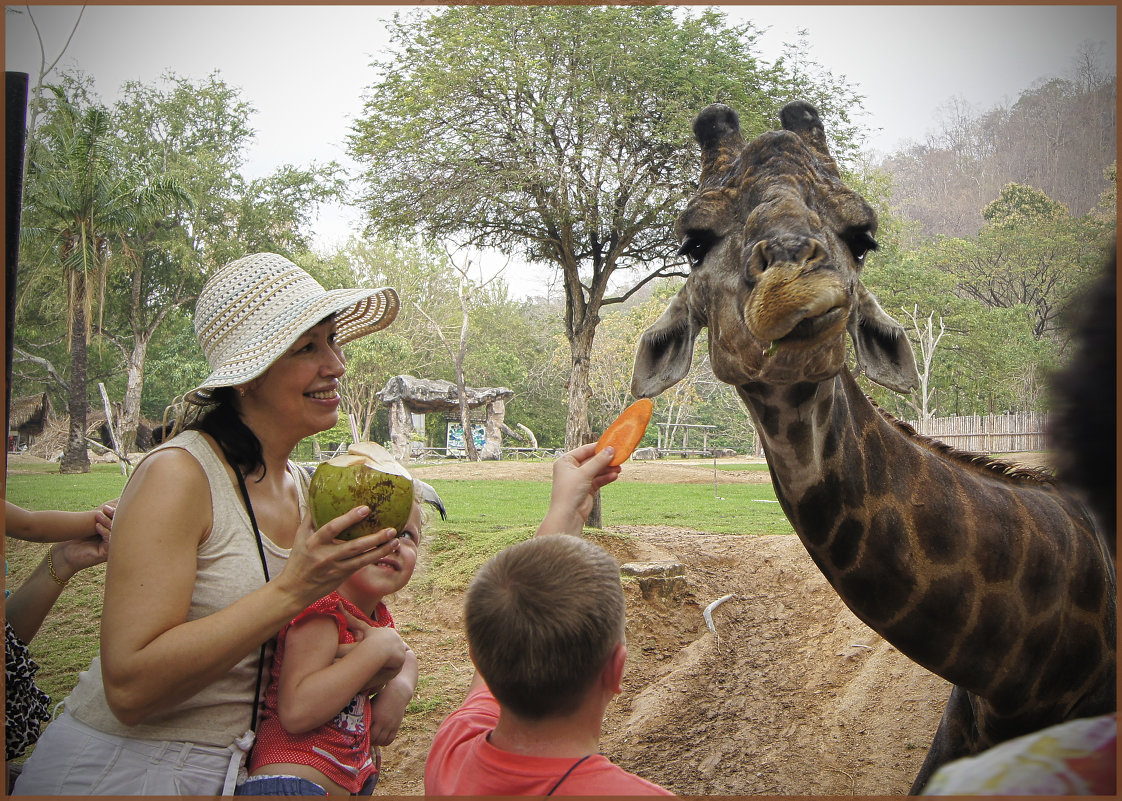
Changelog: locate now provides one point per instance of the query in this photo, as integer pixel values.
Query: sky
(305, 68)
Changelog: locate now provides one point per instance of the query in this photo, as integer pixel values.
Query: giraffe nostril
(758, 260)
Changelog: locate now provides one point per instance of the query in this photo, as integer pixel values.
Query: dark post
(15, 131)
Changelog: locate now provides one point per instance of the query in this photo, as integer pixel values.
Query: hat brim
(358, 312)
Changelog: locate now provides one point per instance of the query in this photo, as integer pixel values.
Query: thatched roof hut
(28, 417)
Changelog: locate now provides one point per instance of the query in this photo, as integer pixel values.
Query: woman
(213, 549)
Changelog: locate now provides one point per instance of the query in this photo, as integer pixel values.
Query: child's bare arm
(53, 526)
(315, 686)
(390, 704)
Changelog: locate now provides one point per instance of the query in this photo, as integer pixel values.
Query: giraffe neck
(955, 567)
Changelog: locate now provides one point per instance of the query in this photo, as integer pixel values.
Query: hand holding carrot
(577, 476)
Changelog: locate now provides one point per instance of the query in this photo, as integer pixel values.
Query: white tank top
(228, 567)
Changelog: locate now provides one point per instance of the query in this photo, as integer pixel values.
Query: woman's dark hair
(237, 440)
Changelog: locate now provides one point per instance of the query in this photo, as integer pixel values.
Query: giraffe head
(776, 244)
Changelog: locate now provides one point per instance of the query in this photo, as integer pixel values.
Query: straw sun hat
(253, 309)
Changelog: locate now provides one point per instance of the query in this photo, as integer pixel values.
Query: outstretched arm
(50, 525)
(577, 476)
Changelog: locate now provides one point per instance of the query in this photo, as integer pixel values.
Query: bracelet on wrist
(51, 570)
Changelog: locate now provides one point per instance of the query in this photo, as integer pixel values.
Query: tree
(1031, 253)
(515, 350)
(466, 292)
(1058, 136)
(193, 135)
(1020, 205)
(558, 134)
(988, 359)
(80, 199)
(36, 103)
(927, 339)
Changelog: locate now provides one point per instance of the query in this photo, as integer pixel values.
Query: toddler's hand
(385, 648)
(103, 519)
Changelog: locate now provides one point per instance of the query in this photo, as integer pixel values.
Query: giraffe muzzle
(791, 305)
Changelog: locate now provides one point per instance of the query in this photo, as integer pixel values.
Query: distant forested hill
(1059, 137)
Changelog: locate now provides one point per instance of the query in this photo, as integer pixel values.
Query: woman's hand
(319, 562)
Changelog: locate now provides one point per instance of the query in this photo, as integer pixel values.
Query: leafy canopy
(559, 133)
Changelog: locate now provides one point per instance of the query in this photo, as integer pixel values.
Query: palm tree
(80, 200)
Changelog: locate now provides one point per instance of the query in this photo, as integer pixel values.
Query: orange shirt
(463, 762)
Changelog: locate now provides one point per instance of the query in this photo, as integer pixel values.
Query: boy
(545, 622)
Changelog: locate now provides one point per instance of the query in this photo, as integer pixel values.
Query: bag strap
(265, 569)
(572, 767)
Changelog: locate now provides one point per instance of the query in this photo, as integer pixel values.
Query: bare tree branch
(24, 356)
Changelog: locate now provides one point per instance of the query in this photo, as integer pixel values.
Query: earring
(241, 391)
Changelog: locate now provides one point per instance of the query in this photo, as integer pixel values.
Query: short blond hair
(542, 619)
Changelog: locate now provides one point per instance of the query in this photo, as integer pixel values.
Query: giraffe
(991, 577)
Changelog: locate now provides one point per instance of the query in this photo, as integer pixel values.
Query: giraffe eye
(697, 246)
(859, 241)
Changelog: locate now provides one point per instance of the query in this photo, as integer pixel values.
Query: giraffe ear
(665, 351)
(883, 351)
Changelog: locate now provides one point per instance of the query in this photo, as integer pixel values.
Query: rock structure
(407, 395)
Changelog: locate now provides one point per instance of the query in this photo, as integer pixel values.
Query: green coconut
(367, 474)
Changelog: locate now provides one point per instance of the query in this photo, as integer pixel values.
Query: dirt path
(792, 696)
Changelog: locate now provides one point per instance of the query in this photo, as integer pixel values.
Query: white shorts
(72, 758)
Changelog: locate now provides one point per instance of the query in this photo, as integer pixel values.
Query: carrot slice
(626, 431)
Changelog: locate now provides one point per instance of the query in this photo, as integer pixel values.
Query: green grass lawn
(484, 517)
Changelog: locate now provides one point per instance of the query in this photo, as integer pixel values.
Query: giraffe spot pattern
(815, 511)
(929, 632)
(1039, 643)
(1087, 586)
(998, 550)
(798, 438)
(801, 393)
(994, 632)
(879, 478)
(769, 419)
(936, 516)
(882, 580)
(846, 543)
(1072, 664)
(1039, 580)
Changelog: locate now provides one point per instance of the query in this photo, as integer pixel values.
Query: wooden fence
(995, 433)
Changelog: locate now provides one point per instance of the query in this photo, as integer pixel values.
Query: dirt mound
(792, 695)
